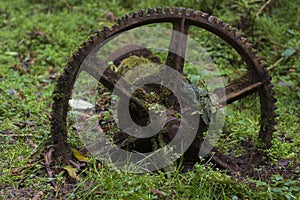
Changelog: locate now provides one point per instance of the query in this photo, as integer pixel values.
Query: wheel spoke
(237, 89)
(109, 77)
(177, 49)
(177, 45)
(181, 20)
(224, 161)
(107, 80)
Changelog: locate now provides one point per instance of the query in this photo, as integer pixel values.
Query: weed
(37, 36)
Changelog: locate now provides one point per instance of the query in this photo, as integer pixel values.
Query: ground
(36, 37)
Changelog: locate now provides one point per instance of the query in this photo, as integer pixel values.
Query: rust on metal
(181, 19)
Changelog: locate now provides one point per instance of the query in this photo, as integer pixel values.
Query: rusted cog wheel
(255, 81)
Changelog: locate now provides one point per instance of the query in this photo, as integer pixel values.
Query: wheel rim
(181, 19)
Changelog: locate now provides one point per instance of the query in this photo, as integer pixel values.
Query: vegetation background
(36, 36)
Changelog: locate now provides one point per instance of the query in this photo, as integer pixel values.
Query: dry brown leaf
(37, 196)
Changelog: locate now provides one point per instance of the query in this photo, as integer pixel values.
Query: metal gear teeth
(227, 26)
(71, 63)
(127, 17)
(249, 46)
(190, 12)
(276, 115)
(265, 73)
(212, 19)
(167, 10)
(237, 35)
(254, 52)
(106, 30)
(274, 99)
(183, 11)
(67, 69)
(80, 50)
(268, 79)
(141, 12)
(159, 10)
(175, 10)
(114, 27)
(75, 55)
(271, 86)
(263, 66)
(244, 40)
(234, 32)
(205, 15)
(99, 33)
(197, 14)
(258, 58)
(274, 122)
(91, 39)
(220, 23)
(84, 43)
(151, 11)
(76, 58)
(134, 14)
(120, 21)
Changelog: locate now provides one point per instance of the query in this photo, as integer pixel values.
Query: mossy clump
(131, 62)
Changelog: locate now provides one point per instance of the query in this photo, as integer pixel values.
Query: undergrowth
(37, 36)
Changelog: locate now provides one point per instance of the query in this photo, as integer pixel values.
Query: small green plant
(37, 36)
(278, 188)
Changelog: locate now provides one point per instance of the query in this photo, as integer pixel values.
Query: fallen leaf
(71, 171)
(80, 104)
(79, 156)
(77, 166)
(287, 53)
(37, 196)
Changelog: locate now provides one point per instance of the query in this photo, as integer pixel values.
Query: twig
(255, 1)
(75, 164)
(262, 8)
(16, 135)
(47, 157)
(275, 64)
(32, 144)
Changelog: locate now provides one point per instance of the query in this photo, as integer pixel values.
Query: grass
(37, 36)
